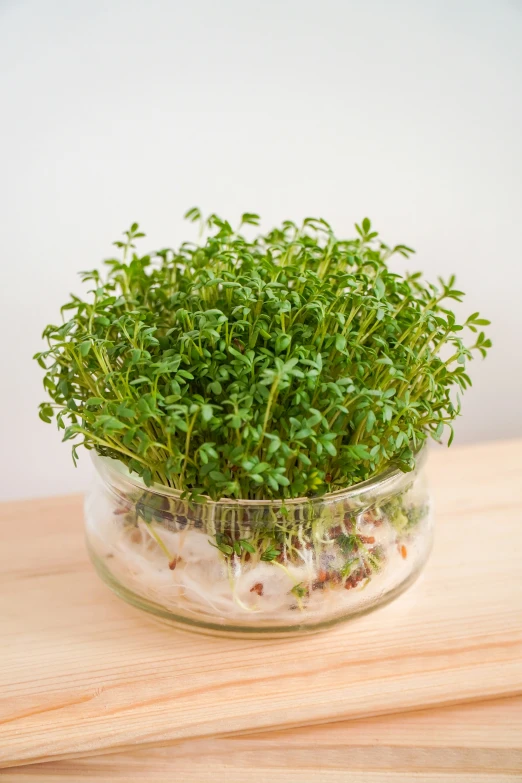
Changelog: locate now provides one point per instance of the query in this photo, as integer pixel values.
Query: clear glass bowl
(255, 567)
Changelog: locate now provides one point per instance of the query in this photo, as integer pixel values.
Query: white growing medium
(202, 586)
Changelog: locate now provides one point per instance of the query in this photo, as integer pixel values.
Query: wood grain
(481, 742)
(82, 673)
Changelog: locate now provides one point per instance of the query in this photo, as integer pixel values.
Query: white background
(114, 111)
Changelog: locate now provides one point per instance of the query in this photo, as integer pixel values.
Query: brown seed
(322, 576)
(354, 579)
(349, 524)
(367, 539)
(173, 563)
(257, 588)
(371, 518)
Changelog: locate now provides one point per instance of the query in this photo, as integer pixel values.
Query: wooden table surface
(82, 674)
(471, 743)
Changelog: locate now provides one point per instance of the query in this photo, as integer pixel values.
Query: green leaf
(206, 412)
(379, 288)
(112, 423)
(95, 401)
(270, 554)
(193, 214)
(274, 446)
(126, 413)
(46, 413)
(70, 432)
(357, 451)
(329, 448)
(299, 590)
(340, 342)
(347, 544)
(250, 218)
(216, 475)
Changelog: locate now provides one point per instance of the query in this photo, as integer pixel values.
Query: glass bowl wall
(255, 567)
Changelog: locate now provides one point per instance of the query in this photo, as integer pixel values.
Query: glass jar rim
(386, 482)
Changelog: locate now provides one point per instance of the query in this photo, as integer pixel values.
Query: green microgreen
(286, 365)
(299, 590)
(270, 553)
(347, 544)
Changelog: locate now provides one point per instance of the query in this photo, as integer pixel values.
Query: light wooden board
(479, 743)
(82, 673)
